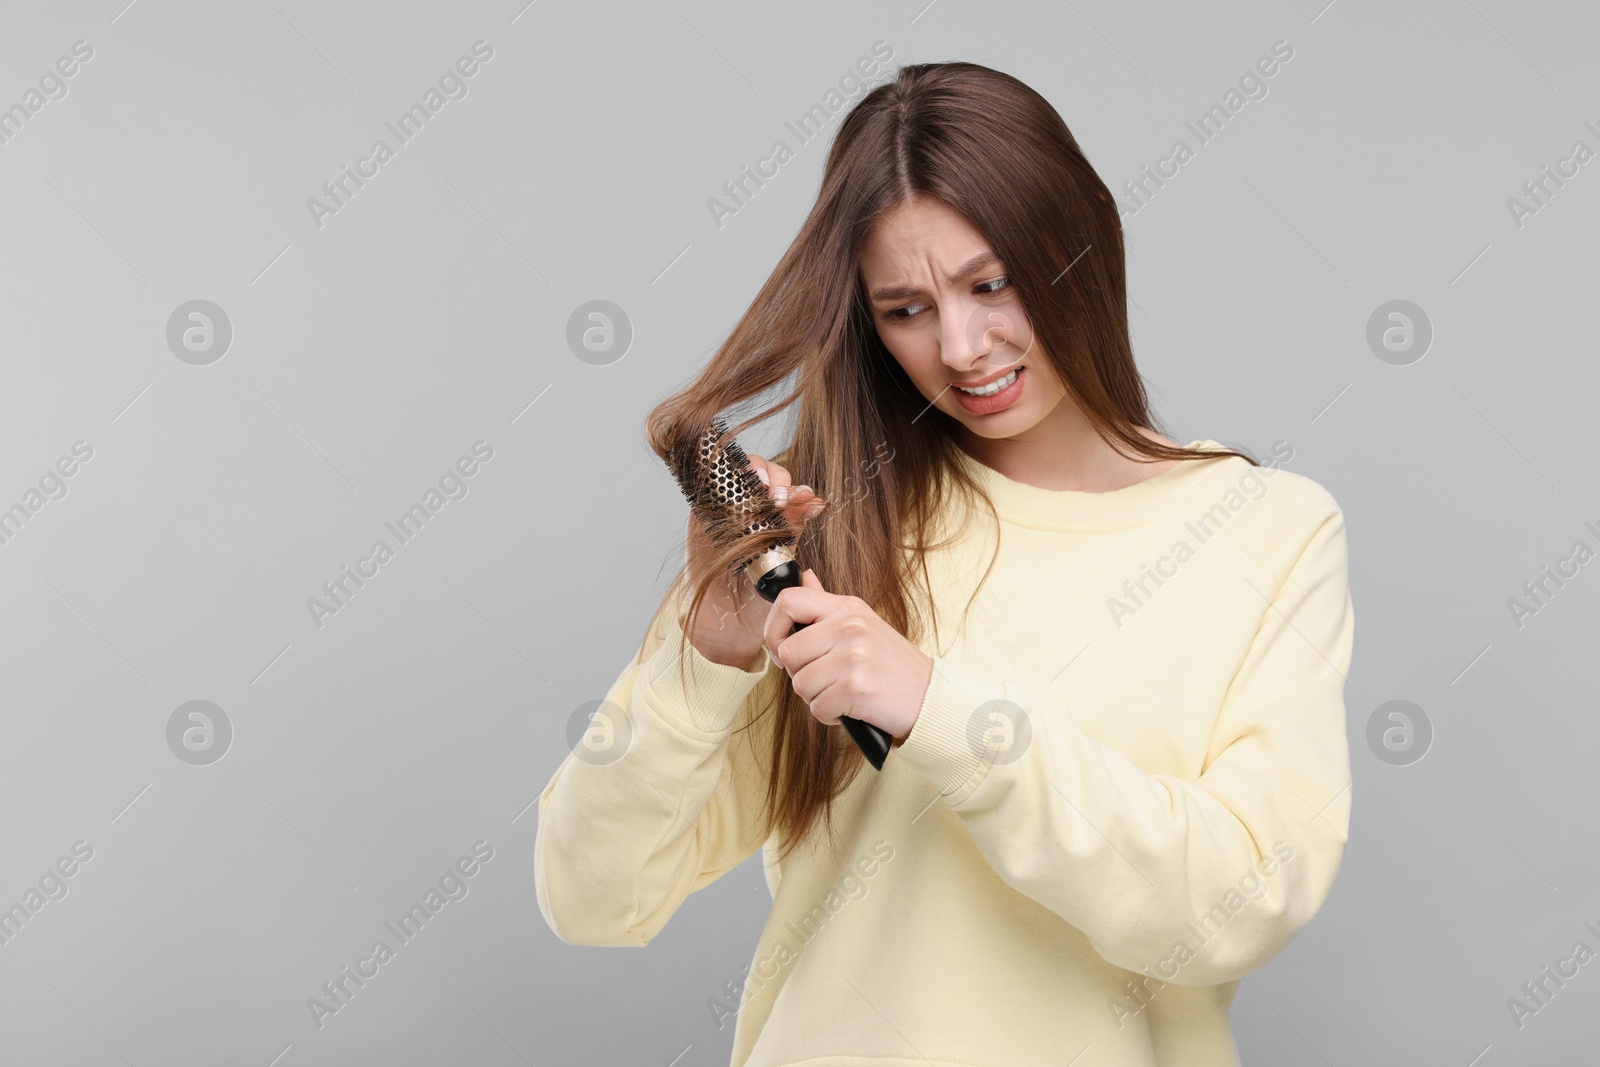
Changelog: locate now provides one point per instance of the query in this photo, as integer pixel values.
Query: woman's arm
(621, 844)
(1132, 859)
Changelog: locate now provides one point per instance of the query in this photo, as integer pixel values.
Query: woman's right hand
(733, 615)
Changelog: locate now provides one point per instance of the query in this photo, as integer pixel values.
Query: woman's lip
(985, 381)
(996, 402)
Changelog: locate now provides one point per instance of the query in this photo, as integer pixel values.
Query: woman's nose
(980, 336)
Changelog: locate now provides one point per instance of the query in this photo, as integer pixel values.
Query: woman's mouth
(996, 396)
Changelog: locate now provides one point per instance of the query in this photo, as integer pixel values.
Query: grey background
(431, 312)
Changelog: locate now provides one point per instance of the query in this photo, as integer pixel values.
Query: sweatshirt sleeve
(622, 841)
(1163, 873)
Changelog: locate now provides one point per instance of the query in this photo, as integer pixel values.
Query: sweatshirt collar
(1082, 512)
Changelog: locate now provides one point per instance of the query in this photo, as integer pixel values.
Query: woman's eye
(986, 288)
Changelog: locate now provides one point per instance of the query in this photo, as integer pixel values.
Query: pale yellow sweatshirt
(1128, 787)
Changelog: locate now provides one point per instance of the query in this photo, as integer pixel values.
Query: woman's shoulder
(1273, 509)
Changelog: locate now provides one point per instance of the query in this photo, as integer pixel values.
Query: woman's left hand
(847, 660)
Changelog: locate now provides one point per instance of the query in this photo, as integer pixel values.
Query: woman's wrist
(730, 654)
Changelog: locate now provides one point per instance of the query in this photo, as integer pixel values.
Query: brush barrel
(873, 742)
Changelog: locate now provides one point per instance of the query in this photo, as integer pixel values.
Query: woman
(1113, 665)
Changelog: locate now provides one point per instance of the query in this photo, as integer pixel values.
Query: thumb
(809, 580)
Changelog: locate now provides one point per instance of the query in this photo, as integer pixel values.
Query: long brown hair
(996, 151)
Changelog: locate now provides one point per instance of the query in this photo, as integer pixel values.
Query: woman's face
(945, 309)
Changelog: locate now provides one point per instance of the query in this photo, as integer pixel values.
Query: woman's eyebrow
(965, 271)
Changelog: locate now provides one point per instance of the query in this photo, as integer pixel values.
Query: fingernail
(763, 476)
(804, 489)
(780, 495)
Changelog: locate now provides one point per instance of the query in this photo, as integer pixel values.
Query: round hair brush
(732, 503)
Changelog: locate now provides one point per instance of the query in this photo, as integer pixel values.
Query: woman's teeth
(993, 387)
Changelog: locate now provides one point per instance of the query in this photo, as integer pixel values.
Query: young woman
(1113, 665)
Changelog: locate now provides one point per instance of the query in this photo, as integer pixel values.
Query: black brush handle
(873, 741)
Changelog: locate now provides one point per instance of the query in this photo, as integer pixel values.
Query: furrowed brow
(965, 271)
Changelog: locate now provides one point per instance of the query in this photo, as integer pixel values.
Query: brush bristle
(723, 491)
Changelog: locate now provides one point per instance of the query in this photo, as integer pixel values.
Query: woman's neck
(1062, 454)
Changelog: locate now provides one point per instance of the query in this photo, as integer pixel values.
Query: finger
(798, 650)
(810, 580)
(793, 499)
(797, 604)
(759, 467)
(780, 484)
(814, 690)
(815, 676)
(807, 510)
(769, 472)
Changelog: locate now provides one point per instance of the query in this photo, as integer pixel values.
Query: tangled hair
(943, 130)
